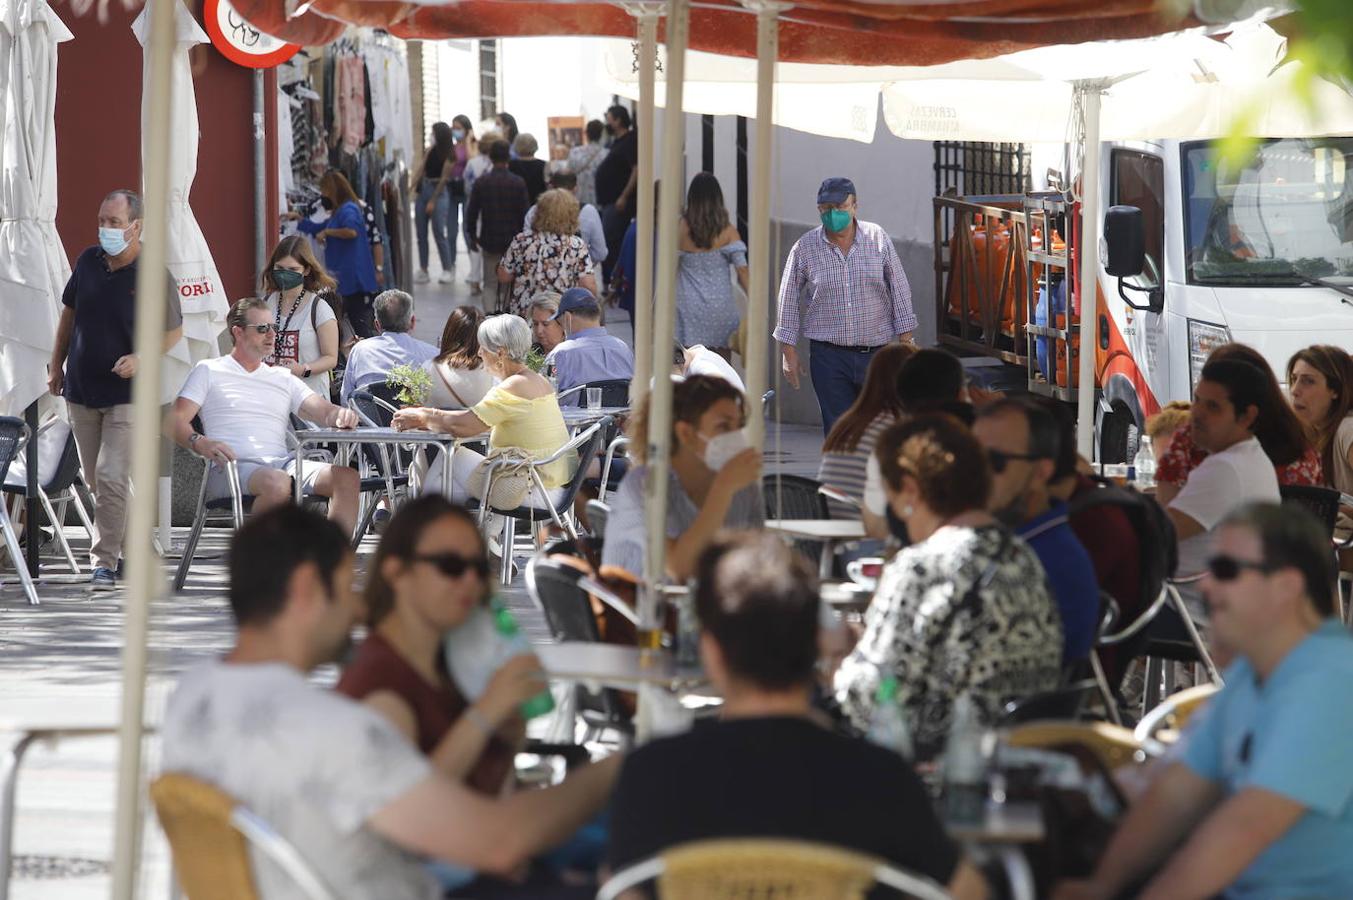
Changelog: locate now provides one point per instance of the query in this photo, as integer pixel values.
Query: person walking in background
(94, 343)
(306, 339)
(494, 215)
(552, 257)
(589, 219)
(585, 160)
(478, 164)
(506, 123)
(623, 280)
(525, 164)
(347, 251)
(858, 299)
(433, 205)
(462, 132)
(706, 312)
(616, 180)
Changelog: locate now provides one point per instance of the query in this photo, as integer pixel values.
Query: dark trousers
(614, 224)
(838, 376)
(361, 314)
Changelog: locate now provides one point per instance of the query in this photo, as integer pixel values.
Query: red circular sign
(242, 43)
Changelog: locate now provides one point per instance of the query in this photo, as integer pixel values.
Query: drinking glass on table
(594, 398)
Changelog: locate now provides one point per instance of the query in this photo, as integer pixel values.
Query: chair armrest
(839, 496)
(1138, 624)
(571, 392)
(609, 597)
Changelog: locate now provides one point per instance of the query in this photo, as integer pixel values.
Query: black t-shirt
(779, 778)
(614, 172)
(105, 312)
(532, 172)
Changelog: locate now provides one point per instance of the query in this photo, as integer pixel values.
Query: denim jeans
(838, 376)
(441, 213)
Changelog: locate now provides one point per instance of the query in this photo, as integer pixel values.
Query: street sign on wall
(242, 43)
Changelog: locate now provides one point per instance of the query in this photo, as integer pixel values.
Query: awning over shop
(854, 32)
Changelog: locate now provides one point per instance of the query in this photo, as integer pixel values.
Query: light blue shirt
(372, 359)
(589, 228)
(592, 354)
(1292, 735)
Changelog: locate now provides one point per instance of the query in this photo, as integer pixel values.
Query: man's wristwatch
(192, 441)
(307, 372)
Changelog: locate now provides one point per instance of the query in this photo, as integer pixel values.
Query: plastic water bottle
(888, 727)
(965, 791)
(480, 646)
(688, 634)
(1145, 462)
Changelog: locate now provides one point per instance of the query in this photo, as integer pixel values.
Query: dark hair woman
(347, 249)
(434, 202)
(507, 127)
(706, 311)
(307, 329)
(459, 379)
(1320, 383)
(1280, 433)
(964, 609)
(714, 481)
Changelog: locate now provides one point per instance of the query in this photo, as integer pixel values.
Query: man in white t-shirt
(700, 360)
(360, 803)
(1228, 400)
(245, 408)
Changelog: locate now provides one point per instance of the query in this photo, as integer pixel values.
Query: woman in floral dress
(551, 256)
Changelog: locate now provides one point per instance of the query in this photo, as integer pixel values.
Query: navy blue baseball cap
(578, 300)
(835, 190)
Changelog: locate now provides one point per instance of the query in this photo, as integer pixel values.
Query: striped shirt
(856, 299)
(845, 469)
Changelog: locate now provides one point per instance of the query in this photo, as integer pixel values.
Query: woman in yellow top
(521, 411)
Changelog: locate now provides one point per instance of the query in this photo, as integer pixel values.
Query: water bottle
(480, 646)
(1145, 462)
(888, 726)
(688, 634)
(965, 791)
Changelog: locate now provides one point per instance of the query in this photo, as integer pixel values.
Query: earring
(908, 511)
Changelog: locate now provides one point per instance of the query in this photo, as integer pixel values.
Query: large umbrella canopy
(33, 265)
(860, 32)
(199, 287)
(1185, 86)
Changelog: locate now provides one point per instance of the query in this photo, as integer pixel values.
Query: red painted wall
(98, 138)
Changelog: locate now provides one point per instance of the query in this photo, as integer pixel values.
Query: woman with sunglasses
(965, 608)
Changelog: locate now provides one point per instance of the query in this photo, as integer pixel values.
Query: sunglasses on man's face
(1228, 568)
(453, 565)
(999, 459)
(264, 328)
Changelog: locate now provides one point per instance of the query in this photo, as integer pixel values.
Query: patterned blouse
(968, 610)
(706, 312)
(1183, 456)
(540, 261)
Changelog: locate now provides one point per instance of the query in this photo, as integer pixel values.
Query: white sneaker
(421, 276)
(445, 278)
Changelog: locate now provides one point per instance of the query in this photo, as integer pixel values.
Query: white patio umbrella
(1184, 85)
(201, 292)
(33, 265)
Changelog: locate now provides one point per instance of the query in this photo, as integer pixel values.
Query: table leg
(1017, 872)
(9, 782)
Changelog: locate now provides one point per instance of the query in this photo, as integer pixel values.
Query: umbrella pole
(757, 347)
(32, 516)
(1092, 93)
(644, 358)
(143, 577)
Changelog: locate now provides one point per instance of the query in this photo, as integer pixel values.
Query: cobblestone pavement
(62, 661)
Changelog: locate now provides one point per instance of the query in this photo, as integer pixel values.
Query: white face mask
(723, 447)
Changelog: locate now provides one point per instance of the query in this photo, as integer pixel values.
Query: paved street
(61, 661)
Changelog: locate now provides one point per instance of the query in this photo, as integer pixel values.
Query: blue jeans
(441, 214)
(838, 376)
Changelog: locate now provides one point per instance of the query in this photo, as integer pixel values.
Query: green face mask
(285, 279)
(835, 220)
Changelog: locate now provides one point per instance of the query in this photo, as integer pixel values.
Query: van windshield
(1283, 219)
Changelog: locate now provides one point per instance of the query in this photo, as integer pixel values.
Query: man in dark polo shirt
(94, 343)
(768, 768)
(616, 181)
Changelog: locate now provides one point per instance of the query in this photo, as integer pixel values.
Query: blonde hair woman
(550, 257)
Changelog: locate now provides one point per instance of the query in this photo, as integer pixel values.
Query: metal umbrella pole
(1091, 92)
(648, 15)
(757, 348)
(144, 582)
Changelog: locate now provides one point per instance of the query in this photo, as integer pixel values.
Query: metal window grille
(488, 79)
(978, 169)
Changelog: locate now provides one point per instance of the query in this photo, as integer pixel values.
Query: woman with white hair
(521, 412)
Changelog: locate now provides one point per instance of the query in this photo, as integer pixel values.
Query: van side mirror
(1125, 255)
(1125, 238)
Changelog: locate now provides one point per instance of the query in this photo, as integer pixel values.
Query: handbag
(512, 481)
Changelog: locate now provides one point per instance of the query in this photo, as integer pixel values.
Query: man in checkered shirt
(857, 295)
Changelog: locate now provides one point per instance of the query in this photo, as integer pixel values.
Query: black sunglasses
(453, 565)
(999, 459)
(1228, 568)
(262, 329)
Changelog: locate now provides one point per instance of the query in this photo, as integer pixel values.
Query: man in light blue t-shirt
(1261, 803)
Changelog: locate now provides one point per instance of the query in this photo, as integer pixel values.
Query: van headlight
(1204, 337)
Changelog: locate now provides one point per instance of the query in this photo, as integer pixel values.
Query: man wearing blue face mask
(94, 344)
(858, 299)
